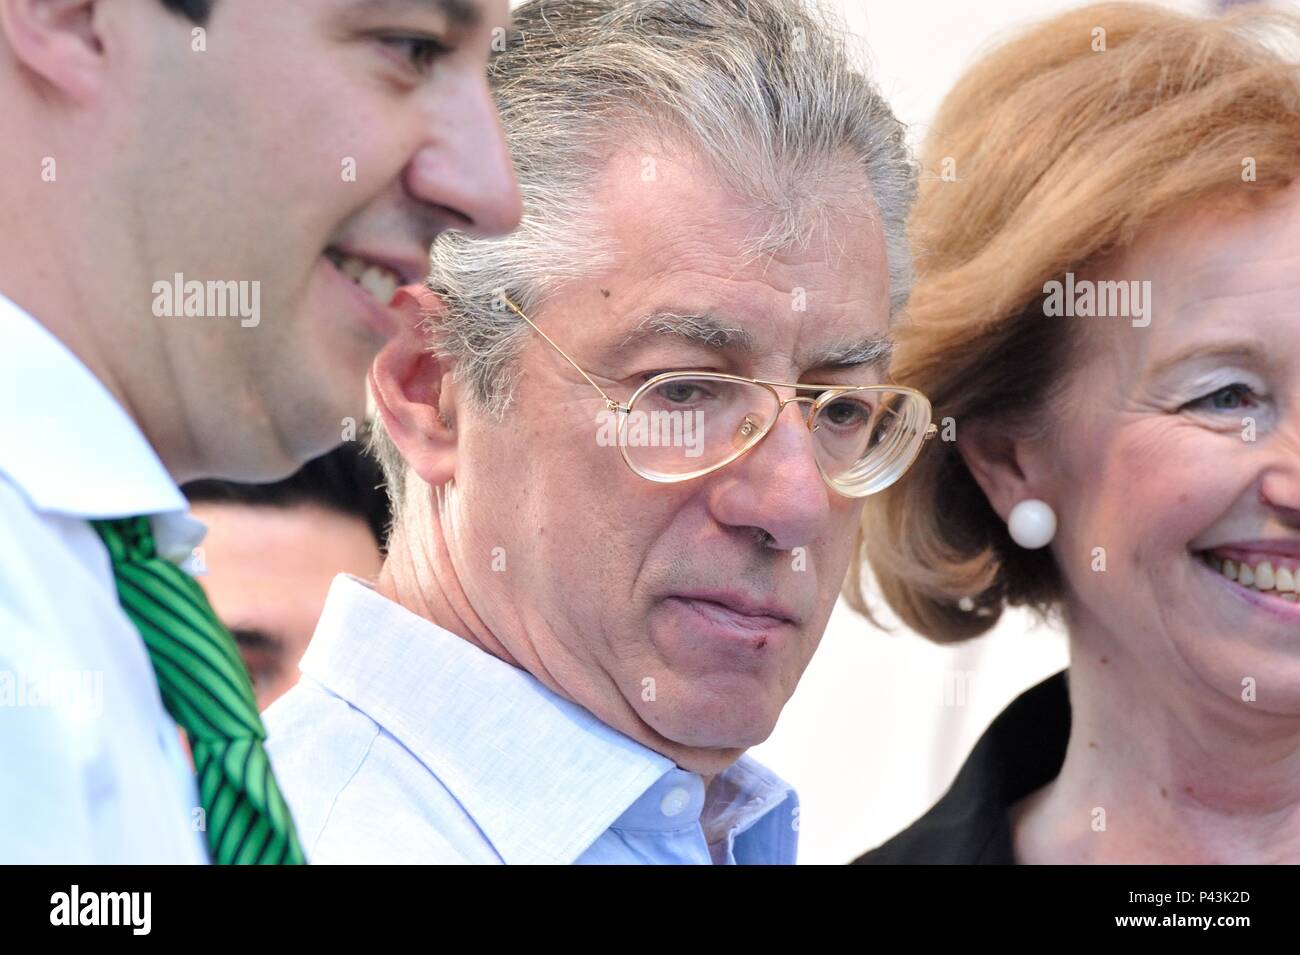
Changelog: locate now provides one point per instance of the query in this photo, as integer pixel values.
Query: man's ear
(412, 390)
(57, 41)
(1006, 466)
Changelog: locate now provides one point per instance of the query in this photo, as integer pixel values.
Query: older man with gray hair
(628, 451)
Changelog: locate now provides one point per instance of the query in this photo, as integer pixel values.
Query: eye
(679, 392)
(847, 413)
(1235, 397)
(419, 52)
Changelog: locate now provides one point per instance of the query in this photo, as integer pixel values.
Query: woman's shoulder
(1020, 752)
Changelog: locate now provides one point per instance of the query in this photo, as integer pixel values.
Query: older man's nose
(777, 487)
(466, 167)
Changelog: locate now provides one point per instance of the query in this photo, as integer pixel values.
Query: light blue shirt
(405, 743)
(91, 765)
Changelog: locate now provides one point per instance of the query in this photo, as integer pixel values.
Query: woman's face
(1174, 462)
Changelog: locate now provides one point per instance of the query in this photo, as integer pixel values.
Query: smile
(377, 279)
(1275, 577)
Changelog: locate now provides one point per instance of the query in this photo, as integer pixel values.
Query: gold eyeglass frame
(831, 393)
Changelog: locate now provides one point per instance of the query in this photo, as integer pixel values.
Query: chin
(713, 724)
(328, 409)
(1260, 682)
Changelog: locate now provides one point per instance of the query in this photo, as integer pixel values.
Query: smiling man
(575, 639)
(296, 158)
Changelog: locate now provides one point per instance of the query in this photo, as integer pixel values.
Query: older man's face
(682, 614)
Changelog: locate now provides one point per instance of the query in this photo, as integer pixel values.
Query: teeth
(1281, 581)
(375, 279)
(379, 282)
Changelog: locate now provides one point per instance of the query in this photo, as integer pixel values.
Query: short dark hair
(196, 10)
(346, 480)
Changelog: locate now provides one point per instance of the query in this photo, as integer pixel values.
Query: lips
(381, 276)
(380, 318)
(1272, 570)
(736, 611)
(1268, 566)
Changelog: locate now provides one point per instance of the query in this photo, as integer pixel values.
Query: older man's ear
(413, 391)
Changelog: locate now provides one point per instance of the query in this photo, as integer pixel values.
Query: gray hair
(764, 91)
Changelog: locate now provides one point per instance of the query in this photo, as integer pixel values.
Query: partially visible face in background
(268, 570)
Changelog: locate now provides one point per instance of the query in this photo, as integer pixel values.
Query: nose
(776, 487)
(464, 165)
(1280, 487)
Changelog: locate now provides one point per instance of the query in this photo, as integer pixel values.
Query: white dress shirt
(92, 766)
(405, 743)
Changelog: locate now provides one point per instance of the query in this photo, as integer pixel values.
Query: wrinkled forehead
(691, 259)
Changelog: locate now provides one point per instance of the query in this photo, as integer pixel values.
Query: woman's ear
(1006, 466)
(412, 390)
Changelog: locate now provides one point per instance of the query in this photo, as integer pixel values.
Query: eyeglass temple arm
(610, 403)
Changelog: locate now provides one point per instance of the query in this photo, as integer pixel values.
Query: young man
(207, 208)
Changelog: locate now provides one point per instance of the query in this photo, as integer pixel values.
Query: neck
(419, 575)
(1183, 772)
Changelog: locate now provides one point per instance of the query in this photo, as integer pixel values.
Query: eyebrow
(872, 350)
(692, 328)
(711, 332)
(462, 13)
(1241, 351)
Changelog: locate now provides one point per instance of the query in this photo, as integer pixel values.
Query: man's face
(682, 614)
(293, 144)
(267, 571)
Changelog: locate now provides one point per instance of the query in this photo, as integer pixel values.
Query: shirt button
(674, 801)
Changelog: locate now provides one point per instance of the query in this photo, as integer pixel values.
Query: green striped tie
(206, 690)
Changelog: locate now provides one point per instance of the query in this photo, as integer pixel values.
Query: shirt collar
(68, 446)
(508, 748)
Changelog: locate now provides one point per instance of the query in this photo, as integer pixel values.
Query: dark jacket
(1020, 752)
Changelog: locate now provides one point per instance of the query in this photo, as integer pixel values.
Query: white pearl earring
(1032, 524)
